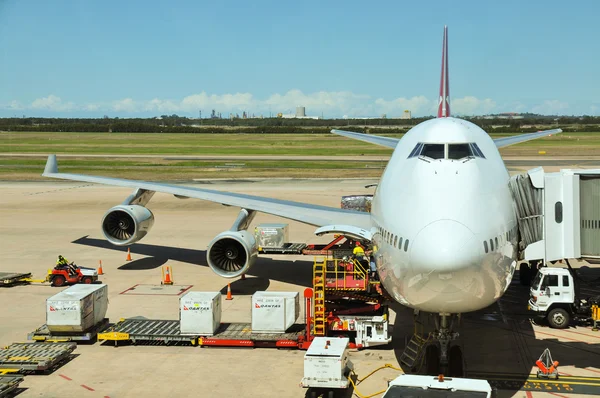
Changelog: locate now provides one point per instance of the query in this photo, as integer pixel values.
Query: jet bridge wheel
(525, 274)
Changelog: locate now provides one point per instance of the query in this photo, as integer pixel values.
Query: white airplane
(442, 218)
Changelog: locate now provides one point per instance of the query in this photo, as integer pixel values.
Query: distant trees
(181, 124)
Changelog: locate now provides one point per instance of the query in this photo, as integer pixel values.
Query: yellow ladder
(319, 324)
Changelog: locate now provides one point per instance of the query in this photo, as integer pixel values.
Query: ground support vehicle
(61, 276)
(8, 384)
(57, 276)
(34, 357)
(43, 334)
(437, 387)
(327, 367)
(554, 295)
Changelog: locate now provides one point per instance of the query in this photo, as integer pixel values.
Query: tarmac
(40, 220)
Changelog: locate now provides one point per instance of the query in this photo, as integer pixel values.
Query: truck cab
(552, 293)
(437, 387)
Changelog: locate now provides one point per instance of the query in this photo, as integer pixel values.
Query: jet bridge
(559, 214)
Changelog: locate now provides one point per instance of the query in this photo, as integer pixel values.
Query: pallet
(288, 248)
(8, 384)
(228, 334)
(43, 334)
(35, 356)
(13, 278)
(134, 330)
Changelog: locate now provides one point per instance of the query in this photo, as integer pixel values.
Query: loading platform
(34, 357)
(8, 384)
(228, 335)
(13, 278)
(43, 334)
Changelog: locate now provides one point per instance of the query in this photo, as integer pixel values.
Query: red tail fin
(444, 102)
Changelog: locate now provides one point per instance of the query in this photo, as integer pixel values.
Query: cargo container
(77, 308)
(274, 312)
(357, 202)
(271, 235)
(200, 313)
(327, 363)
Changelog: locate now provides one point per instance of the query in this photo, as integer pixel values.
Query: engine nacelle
(232, 253)
(126, 224)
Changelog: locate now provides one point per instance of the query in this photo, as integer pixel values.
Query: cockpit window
(433, 151)
(459, 151)
(455, 151)
(416, 151)
(476, 151)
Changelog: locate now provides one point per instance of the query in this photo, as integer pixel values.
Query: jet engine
(126, 224)
(232, 253)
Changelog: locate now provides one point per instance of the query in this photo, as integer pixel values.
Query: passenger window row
(393, 240)
(505, 237)
(447, 151)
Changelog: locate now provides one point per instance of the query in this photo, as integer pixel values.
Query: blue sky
(338, 58)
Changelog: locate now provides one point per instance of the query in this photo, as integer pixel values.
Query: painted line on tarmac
(82, 385)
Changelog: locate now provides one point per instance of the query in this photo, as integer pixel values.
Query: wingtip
(51, 165)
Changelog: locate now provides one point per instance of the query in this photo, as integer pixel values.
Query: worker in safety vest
(358, 251)
(61, 262)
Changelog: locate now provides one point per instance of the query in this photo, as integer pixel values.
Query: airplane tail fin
(444, 101)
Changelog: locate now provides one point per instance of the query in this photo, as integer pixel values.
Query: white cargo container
(271, 235)
(274, 312)
(200, 313)
(77, 308)
(326, 363)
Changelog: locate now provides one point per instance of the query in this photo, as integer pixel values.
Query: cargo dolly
(14, 278)
(8, 384)
(43, 334)
(34, 357)
(228, 335)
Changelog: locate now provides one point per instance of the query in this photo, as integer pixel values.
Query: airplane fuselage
(445, 227)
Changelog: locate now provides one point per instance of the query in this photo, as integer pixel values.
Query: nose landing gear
(440, 356)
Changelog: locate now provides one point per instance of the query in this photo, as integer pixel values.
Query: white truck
(554, 295)
(437, 387)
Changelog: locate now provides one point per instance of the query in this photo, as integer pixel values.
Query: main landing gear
(440, 356)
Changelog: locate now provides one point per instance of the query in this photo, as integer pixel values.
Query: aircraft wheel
(58, 281)
(455, 362)
(432, 360)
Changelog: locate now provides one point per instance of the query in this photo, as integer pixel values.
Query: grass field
(157, 168)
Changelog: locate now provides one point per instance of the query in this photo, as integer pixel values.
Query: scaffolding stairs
(320, 321)
(413, 352)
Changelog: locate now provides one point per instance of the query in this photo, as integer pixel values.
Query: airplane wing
(506, 141)
(372, 139)
(306, 213)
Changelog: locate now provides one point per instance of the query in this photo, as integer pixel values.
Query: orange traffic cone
(229, 297)
(100, 271)
(167, 280)
(128, 255)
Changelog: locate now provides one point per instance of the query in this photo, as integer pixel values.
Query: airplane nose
(444, 246)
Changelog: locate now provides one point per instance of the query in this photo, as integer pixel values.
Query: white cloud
(52, 103)
(417, 105)
(329, 103)
(472, 106)
(125, 105)
(550, 107)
